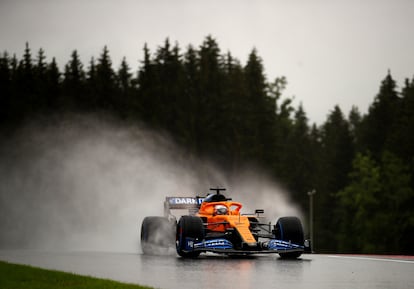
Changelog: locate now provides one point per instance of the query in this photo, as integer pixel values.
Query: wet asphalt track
(268, 271)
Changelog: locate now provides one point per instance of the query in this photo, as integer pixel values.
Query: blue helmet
(215, 198)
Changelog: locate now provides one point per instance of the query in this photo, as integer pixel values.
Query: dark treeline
(361, 166)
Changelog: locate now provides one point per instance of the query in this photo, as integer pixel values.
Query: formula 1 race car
(215, 224)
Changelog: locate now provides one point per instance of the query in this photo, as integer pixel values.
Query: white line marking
(371, 259)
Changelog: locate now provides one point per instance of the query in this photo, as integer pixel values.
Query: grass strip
(13, 276)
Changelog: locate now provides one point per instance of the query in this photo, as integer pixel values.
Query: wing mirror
(258, 212)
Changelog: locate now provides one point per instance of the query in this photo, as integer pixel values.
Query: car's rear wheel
(290, 229)
(157, 235)
(189, 228)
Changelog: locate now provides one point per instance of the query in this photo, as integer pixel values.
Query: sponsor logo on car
(281, 245)
(185, 201)
(190, 244)
(218, 244)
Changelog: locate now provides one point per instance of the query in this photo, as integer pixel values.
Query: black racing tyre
(189, 227)
(290, 229)
(157, 235)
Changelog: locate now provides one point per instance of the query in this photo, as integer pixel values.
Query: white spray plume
(87, 184)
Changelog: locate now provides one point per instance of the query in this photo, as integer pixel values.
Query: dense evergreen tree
(299, 158)
(5, 88)
(355, 120)
(210, 101)
(401, 140)
(335, 161)
(73, 84)
(260, 112)
(190, 118)
(53, 85)
(147, 82)
(25, 90)
(378, 124)
(105, 92)
(283, 126)
(126, 89)
(169, 89)
(91, 101)
(236, 105)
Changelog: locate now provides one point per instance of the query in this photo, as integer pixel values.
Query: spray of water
(87, 184)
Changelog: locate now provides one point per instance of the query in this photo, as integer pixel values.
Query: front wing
(224, 246)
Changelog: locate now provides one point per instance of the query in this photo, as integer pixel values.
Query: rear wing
(182, 203)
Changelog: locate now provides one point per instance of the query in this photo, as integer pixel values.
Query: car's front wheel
(189, 229)
(290, 229)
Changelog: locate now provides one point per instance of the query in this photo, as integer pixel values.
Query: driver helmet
(220, 210)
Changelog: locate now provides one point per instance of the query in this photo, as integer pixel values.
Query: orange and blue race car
(215, 224)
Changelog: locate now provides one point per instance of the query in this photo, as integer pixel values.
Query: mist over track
(84, 183)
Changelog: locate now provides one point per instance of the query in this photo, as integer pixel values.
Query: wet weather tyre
(290, 229)
(157, 235)
(189, 227)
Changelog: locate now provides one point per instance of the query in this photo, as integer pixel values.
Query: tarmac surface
(215, 271)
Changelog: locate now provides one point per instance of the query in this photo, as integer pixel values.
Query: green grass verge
(13, 276)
